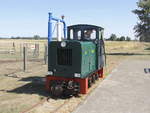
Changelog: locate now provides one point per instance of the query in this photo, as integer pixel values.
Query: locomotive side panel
(88, 58)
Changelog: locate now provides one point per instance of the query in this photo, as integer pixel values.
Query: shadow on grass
(35, 86)
(147, 48)
(35, 79)
(126, 54)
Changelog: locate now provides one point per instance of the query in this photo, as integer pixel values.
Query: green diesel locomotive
(76, 62)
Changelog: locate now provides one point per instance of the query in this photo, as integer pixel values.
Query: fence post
(14, 48)
(21, 50)
(45, 54)
(36, 50)
(24, 58)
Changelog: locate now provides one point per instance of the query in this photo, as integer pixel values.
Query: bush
(36, 37)
(122, 38)
(113, 37)
(128, 38)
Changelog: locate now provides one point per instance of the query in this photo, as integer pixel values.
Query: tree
(142, 29)
(122, 38)
(18, 37)
(118, 39)
(128, 38)
(12, 37)
(113, 37)
(36, 37)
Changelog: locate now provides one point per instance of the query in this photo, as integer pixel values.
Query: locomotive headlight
(77, 75)
(50, 73)
(63, 44)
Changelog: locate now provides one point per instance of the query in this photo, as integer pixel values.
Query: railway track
(42, 102)
(55, 110)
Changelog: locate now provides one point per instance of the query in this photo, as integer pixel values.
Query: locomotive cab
(90, 33)
(84, 32)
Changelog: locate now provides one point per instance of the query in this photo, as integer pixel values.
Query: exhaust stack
(59, 38)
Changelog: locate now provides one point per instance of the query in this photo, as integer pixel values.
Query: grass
(7, 45)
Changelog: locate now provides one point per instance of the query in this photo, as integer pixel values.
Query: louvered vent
(64, 56)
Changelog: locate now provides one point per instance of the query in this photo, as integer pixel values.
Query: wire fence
(21, 55)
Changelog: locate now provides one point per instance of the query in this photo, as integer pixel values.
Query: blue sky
(29, 17)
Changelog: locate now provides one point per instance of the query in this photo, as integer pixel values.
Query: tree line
(113, 37)
(142, 28)
(35, 37)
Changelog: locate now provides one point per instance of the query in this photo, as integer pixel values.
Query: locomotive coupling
(64, 88)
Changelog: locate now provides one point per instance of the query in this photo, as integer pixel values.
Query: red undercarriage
(83, 82)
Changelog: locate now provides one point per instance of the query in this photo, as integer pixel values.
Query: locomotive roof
(85, 26)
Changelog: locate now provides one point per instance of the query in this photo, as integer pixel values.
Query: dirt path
(125, 90)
